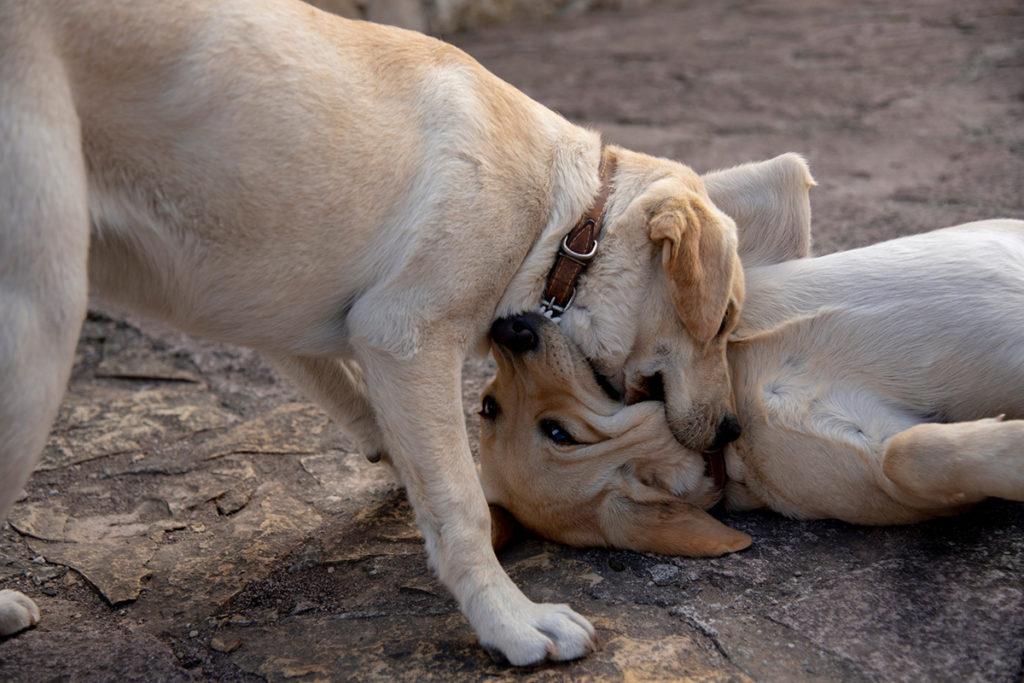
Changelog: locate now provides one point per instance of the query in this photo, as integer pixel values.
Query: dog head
(563, 453)
(574, 464)
(656, 305)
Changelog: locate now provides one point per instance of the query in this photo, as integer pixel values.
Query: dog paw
(17, 612)
(539, 632)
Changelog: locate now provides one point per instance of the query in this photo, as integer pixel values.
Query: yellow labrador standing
(359, 202)
(883, 385)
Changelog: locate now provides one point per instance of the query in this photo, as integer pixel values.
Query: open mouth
(714, 467)
(650, 388)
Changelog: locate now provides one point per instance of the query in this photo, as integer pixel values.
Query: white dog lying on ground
(882, 385)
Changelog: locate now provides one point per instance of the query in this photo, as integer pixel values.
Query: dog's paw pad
(17, 612)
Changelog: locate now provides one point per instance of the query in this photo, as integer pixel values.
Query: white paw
(530, 633)
(17, 612)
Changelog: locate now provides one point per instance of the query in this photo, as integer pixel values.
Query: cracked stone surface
(195, 518)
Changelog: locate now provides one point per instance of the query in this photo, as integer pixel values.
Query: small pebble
(225, 646)
(663, 574)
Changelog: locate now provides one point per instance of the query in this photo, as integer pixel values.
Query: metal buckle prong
(550, 309)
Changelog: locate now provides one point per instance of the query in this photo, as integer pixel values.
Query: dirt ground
(195, 518)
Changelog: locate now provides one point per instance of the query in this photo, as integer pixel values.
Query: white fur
(837, 355)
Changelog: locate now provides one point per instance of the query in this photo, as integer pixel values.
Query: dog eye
(557, 433)
(489, 408)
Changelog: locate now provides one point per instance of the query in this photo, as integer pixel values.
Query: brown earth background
(195, 518)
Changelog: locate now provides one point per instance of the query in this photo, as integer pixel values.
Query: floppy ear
(668, 526)
(697, 258)
(770, 203)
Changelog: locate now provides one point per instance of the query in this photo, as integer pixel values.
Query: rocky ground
(195, 518)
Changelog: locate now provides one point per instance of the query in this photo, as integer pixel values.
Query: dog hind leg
(44, 240)
(339, 387)
(960, 462)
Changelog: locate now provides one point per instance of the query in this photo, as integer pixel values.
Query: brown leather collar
(578, 247)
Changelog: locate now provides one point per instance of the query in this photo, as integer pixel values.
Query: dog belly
(809, 476)
(930, 323)
(813, 439)
(179, 278)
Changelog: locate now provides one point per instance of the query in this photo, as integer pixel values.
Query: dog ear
(653, 507)
(697, 258)
(669, 526)
(770, 203)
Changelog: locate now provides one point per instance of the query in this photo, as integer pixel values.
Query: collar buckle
(578, 248)
(582, 259)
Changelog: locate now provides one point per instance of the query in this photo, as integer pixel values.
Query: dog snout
(517, 334)
(728, 431)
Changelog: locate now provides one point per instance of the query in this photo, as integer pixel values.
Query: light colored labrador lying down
(360, 203)
(883, 385)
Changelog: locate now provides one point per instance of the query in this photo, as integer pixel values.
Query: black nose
(516, 334)
(728, 431)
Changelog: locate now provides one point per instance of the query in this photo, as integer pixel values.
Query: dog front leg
(958, 463)
(418, 405)
(338, 386)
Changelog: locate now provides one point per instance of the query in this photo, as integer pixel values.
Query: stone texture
(111, 551)
(239, 540)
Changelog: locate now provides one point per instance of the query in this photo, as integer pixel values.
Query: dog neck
(574, 184)
(578, 247)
